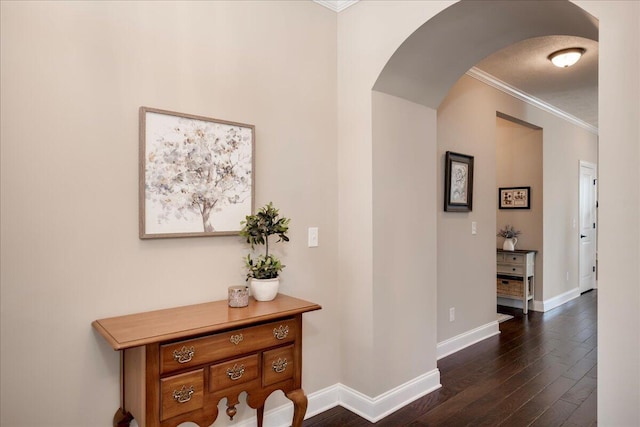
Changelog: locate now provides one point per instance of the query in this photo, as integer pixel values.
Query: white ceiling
(524, 66)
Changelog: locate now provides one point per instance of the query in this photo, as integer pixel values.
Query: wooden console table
(516, 275)
(178, 363)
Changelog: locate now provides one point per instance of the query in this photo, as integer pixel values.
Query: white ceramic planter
(509, 244)
(264, 289)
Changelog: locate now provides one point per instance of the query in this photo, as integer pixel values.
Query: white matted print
(459, 174)
(458, 182)
(514, 198)
(196, 174)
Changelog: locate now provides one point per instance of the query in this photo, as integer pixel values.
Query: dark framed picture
(514, 198)
(196, 175)
(458, 182)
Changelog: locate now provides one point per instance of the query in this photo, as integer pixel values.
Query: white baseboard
(466, 339)
(545, 305)
(560, 299)
(319, 401)
(372, 409)
(537, 305)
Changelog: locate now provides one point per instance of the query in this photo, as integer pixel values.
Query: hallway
(540, 371)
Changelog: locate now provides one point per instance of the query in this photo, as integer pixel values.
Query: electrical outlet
(567, 276)
(452, 314)
(313, 237)
(474, 227)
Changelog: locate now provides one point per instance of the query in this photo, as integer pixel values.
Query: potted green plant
(510, 235)
(263, 271)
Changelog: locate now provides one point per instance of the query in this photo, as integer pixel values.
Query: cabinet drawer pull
(281, 332)
(184, 355)
(279, 365)
(236, 372)
(236, 339)
(183, 395)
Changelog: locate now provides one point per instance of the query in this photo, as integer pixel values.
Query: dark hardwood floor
(539, 371)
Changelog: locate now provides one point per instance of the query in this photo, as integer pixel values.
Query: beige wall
(471, 290)
(404, 268)
(466, 262)
(73, 77)
(563, 148)
(365, 33)
(368, 34)
(618, 212)
(83, 73)
(519, 163)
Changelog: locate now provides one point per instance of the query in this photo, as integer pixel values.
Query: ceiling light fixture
(566, 57)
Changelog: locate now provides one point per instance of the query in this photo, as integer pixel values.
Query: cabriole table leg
(299, 406)
(260, 415)
(122, 418)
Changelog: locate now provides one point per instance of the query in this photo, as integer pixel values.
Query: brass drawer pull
(183, 395)
(281, 332)
(236, 372)
(279, 365)
(184, 355)
(236, 339)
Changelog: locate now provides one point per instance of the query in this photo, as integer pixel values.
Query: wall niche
(519, 164)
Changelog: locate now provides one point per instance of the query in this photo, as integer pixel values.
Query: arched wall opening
(415, 101)
(429, 62)
(375, 316)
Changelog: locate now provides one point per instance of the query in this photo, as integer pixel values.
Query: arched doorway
(367, 41)
(437, 54)
(406, 96)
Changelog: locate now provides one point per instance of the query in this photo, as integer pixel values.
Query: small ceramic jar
(238, 296)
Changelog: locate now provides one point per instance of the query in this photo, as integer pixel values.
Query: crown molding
(336, 5)
(490, 80)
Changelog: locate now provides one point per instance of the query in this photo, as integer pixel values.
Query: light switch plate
(313, 237)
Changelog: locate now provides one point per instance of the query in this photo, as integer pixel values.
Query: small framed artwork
(514, 198)
(458, 182)
(196, 175)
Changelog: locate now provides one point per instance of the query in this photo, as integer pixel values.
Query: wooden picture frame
(196, 175)
(514, 198)
(458, 182)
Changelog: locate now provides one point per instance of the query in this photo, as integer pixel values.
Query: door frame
(594, 166)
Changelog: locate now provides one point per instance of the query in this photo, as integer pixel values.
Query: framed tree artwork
(458, 182)
(196, 175)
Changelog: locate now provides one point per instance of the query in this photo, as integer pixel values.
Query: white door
(588, 226)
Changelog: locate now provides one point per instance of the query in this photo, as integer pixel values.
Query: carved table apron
(178, 363)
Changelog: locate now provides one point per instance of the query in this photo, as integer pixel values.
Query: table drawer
(510, 269)
(181, 393)
(278, 365)
(233, 372)
(514, 258)
(182, 354)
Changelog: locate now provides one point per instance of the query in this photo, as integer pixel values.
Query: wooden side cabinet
(516, 279)
(178, 363)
